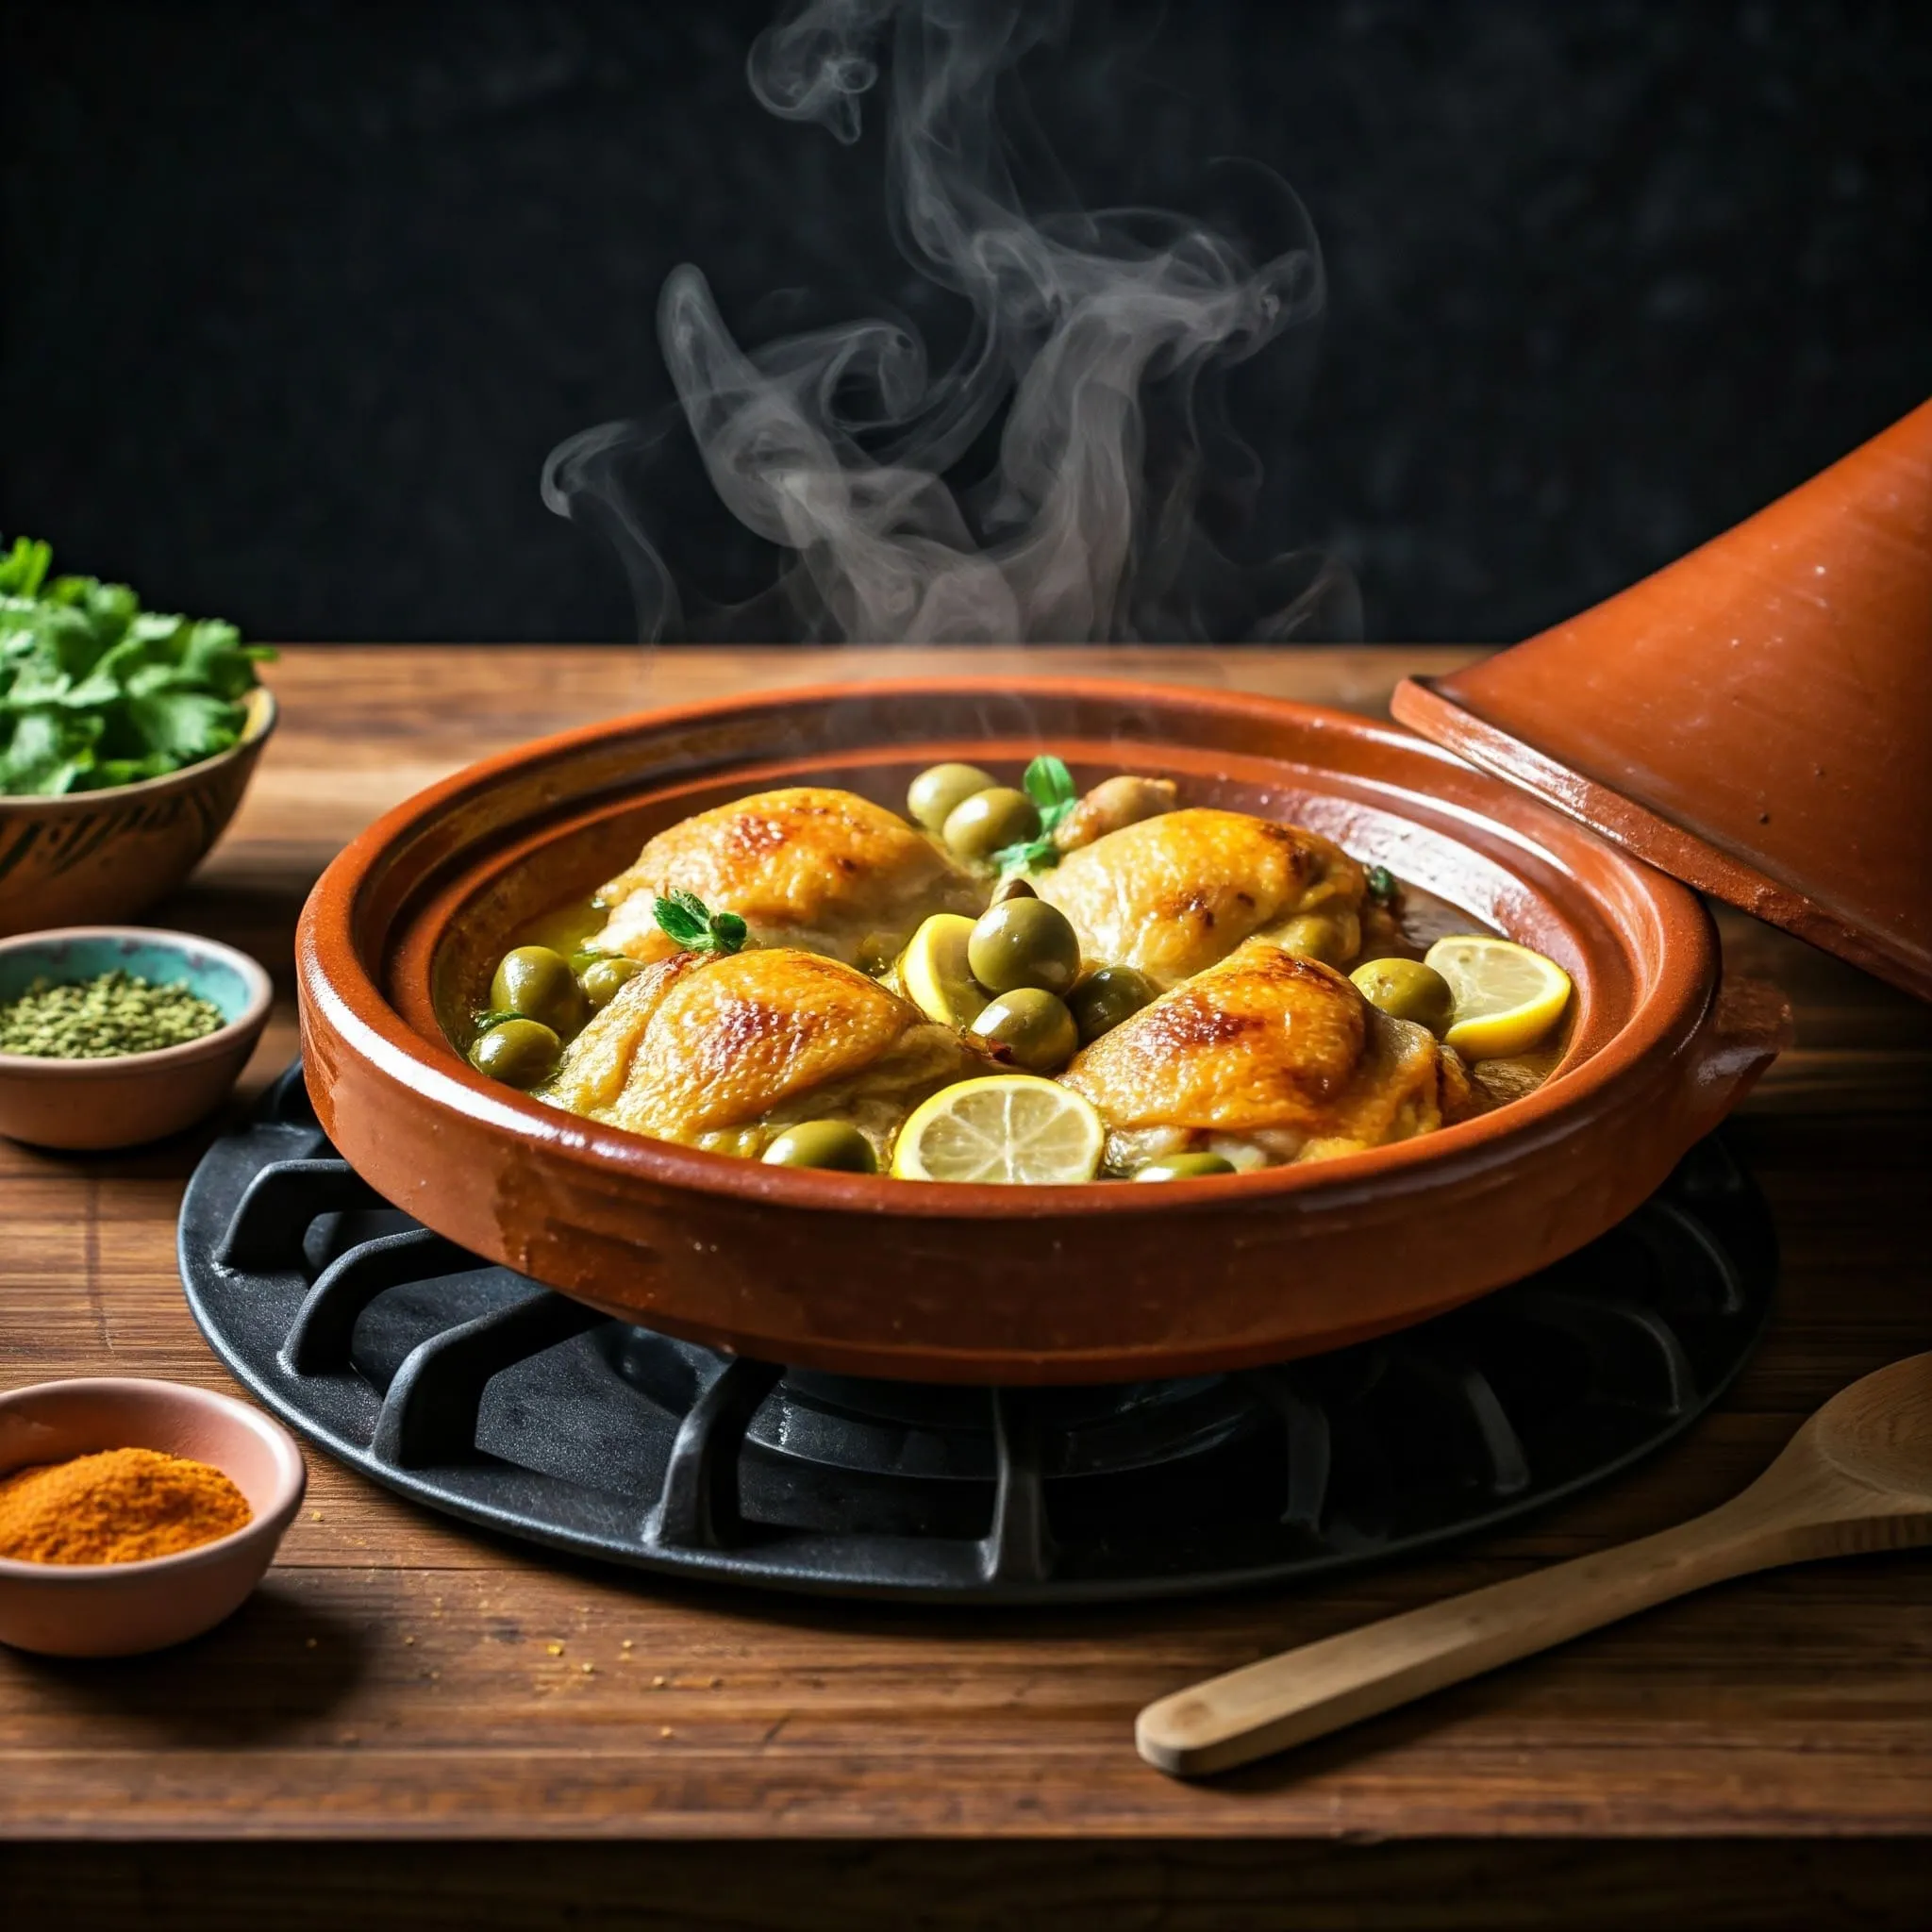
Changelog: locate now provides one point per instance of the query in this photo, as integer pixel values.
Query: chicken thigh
(807, 866)
(1175, 894)
(1266, 1059)
(723, 1052)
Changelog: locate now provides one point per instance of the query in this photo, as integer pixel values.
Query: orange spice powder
(122, 1505)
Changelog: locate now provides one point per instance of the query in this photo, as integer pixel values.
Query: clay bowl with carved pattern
(93, 857)
(1105, 1282)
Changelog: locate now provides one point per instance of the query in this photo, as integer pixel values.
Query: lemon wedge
(1003, 1128)
(1507, 998)
(933, 973)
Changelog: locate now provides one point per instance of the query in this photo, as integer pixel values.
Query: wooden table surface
(400, 1676)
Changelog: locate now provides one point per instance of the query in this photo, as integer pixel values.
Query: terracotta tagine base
(1107, 1282)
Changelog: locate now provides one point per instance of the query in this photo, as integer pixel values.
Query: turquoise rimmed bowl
(135, 1097)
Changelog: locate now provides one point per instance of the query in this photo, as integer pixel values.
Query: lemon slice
(1003, 1128)
(935, 975)
(1507, 998)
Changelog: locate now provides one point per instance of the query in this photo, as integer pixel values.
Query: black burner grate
(485, 1395)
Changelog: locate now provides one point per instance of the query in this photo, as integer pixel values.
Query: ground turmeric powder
(122, 1505)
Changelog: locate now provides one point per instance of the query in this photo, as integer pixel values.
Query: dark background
(298, 296)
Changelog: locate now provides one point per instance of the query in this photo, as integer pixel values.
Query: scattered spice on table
(121, 1505)
(101, 1018)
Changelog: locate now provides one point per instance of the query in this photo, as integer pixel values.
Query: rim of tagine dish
(1105, 1282)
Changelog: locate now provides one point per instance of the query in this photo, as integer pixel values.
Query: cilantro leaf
(25, 567)
(186, 725)
(95, 691)
(45, 752)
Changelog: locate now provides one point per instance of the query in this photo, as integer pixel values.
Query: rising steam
(1102, 337)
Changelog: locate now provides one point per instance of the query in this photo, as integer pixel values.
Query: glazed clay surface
(1755, 718)
(1101, 1282)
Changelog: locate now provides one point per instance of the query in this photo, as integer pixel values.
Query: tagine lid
(1754, 719)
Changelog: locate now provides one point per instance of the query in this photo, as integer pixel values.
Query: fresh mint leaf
(1028, 855)
(682, 917)
(1381, 884)
(1050, 786)
(685, 919)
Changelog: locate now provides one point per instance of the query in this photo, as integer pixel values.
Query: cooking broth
(1399, 922)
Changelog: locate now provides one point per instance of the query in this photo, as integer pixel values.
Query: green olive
(824, 1143)
(600, 980)
(876, 953)
(1406, 990)
(539, 984)
(1184, 1167)
(978, 826)
(1023, 942)
(939, 787)
(1332, 936)
(1014, 887)
(1034, 1027)
(1104, 998)
(522, 1052)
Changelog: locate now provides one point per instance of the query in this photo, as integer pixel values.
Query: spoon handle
(1302, 1694)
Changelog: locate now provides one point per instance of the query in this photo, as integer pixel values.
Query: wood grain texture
(396, 1675)
(1855, 1478)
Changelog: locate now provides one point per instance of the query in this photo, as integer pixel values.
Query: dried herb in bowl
(95, 691)
(102, 1018)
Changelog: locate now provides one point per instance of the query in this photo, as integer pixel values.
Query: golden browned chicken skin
(722, 1052)
(806, 866)
(1267, 1058)
(1177, 893)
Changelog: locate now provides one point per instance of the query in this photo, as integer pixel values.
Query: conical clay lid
(1755, 718)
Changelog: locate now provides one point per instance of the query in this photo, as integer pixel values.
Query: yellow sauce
(1418, 918)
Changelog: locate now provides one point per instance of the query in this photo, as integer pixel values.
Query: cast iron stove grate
(482, 1393)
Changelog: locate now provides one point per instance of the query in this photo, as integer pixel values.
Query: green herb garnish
(485, 1022)
(1050, 786)
(1381, 884)
(97, 691)
(102, 1018)
(683, 917)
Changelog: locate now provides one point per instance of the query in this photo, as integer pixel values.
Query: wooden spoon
(1856, 1478)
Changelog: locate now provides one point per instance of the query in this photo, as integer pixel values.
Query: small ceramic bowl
(89, 1104)
(120, 1610)
(112, 854)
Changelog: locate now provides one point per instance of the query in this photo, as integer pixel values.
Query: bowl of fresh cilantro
(127, 738)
